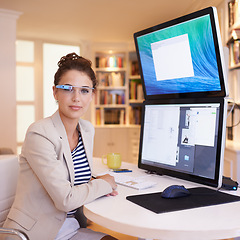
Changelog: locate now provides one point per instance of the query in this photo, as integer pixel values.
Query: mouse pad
(200, 197)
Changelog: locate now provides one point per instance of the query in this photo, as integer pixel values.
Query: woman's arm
(43, 151)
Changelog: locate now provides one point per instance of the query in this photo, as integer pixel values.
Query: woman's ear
(54, 92)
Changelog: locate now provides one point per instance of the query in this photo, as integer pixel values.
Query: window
(25, 94)
(36, 66)
(51, 55)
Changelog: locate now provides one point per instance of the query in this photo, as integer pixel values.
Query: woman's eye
(68, 89)
(84, 91)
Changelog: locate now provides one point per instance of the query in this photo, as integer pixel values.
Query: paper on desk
(129, 180)
(101, 173)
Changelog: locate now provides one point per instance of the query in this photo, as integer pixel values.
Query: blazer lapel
(87, 141)
(65, 144)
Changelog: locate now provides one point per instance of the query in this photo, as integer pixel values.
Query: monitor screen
(182, 57)
(184, 138)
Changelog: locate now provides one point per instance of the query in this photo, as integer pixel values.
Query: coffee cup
(112, 160)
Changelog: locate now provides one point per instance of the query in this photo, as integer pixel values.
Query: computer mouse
(175, 191)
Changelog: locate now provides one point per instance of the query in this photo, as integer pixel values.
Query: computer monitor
(183, 57)
(184, 138)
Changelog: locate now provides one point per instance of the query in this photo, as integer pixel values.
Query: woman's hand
(110, 179)
(113, 193)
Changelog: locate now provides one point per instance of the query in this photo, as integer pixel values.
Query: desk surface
(120, 215)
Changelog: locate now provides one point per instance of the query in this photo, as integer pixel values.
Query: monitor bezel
(217, 181)
(218, 50)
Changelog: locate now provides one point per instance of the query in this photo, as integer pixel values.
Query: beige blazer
(46, 190)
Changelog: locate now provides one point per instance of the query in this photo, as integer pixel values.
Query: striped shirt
(81, 167)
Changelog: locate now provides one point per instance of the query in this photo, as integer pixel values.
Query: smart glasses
(85, 91)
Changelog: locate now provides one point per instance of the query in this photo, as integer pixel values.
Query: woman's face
(73, 104)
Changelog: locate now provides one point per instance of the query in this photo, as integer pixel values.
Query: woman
(56, 161)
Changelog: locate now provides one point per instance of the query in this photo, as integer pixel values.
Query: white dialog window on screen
(161, 134)
(204, 124)
(172, 58)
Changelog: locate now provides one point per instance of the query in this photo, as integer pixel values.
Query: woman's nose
(76, 95)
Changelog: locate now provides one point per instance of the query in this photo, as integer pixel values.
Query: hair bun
(67, 58)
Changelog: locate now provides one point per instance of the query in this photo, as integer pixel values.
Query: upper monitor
(183, 57)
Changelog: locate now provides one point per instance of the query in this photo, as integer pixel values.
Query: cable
(234, 104)
(239, 118)
(231, 107)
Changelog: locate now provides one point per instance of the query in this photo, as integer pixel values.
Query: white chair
(8, 182)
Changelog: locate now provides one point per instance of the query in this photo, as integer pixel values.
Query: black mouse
(175, 191)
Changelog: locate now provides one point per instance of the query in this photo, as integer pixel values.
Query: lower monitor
(184, 138)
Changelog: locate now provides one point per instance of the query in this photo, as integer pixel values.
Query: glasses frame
(70, 88)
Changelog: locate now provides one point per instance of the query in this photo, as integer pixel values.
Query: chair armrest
(20, 234)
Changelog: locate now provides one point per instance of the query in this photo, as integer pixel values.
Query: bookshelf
(116, 109)
(111, 96)
(119, 93)
(136, 96)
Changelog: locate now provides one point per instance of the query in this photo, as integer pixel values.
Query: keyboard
(133, 182)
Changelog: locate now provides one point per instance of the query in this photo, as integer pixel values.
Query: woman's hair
(74, 62)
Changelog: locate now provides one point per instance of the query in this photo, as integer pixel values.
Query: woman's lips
(76, 108)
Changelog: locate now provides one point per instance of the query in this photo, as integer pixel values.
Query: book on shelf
(117, 79)
(111, 97)
(140, 96)
(119, 62)
(134, 68)
(111, 79)
(135, 115)
(114, 116)
(98, 116)
(122, 117)
(136, 90)
(109, 61)
(234, 52)
(233, 12)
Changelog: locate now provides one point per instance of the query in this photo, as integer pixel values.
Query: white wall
(7, 79)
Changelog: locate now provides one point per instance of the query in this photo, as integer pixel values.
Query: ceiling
(95, 20)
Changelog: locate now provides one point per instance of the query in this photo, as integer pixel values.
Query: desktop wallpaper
(197, 69)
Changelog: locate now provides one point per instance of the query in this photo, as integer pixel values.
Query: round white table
(120, 215)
